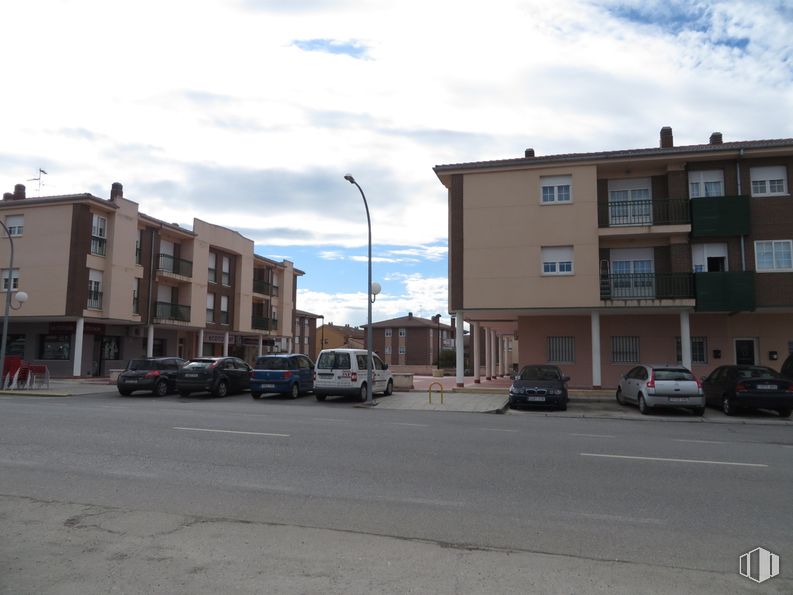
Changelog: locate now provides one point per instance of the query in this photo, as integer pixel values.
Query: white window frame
(388, 332)
(224, 309)
(388, 350)
(403, 350)
(559, 189)
(403, 332)
(210, 311)
(765, 176)
(14, 279)
(212, 271)
(95, 279)
(701, 252)
(776, 246)
(556, 261)
(636, 210)
(15, 225)
(698, 183)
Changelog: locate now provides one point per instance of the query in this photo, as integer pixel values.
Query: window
(625, 350)
(561, 349)
(54, 347)
(630, 202)
(14, 279)
(99, 235)
(403, 350)
(15, 225)
(709, 258)
(95, 290)
(225, 277)
(224, 309)
(388, 350)
(699, 350)
(403, 332)
(705, 183)
(556, 189)
(135, 294)
(769, 181)
(16, 345)
(212, 271)
(388, 332)
(773, 255)
(138, 244)
(210, 307)
(557, 260)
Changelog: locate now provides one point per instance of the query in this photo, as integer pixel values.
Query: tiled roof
(408, 321)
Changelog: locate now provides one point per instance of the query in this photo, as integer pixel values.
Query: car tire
(620, 400)
(727, 406)
(643, 408)
(124, 392)
(563, 406)
(364, 394)
(389, 389)
(222, 389)
(256, 395)
(700, 411)
(160, 389)
(294, 392)
(319, 396)
(784, 412)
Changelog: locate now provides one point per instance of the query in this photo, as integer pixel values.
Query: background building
(411, 343)
(330, 336)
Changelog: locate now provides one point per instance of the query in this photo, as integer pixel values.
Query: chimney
(529, 153)
(8, 196)
(715, 138)
(116, 191)
(19, 192)
(410, 314)
(667, 142)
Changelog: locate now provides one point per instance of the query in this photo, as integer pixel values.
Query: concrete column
(596, 378)
(226, 344)
(505, 344)
(260, 345)
(685, 339)
(200, 350)
(494, 357)
(476, 346)
(77, 367)
(488, 353)
(459, 344)
(150, 341)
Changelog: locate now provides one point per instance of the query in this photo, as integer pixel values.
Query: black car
(539, 386)
(217, 375)
(787, 368)
(154, 374)
(732, 388)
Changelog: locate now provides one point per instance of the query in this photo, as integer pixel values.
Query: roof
(305, 314)
(346, 330)
(61, 198)
(409, 321)
(621, 154)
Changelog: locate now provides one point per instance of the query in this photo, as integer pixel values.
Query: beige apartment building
(107, 283)
(599, 261)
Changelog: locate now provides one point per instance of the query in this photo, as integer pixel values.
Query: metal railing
(645, 212)
(169, 311)
(617, 286)
(177, 266)
(99, 246)
(261, 323)
(260, 286)
(94, 300)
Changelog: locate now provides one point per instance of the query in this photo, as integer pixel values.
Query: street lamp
(438, 320)
(371, 291)
(21, 297)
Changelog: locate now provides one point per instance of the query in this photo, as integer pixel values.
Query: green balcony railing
(719, 216)
(169, 311)
(260, 286)
(657, 286)
(177, 266)
(261, 323)
(725, 291)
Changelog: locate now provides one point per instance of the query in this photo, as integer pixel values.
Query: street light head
(349, 178)
(21, 297)
(376, 288)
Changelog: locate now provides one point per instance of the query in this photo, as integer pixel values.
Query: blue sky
(248, 113)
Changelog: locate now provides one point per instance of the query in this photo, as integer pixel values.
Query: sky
(248, 113)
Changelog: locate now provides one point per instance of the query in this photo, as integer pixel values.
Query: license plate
(268, 386)
(678, 399)
(767, 386)
(191, 375)
(538, 399)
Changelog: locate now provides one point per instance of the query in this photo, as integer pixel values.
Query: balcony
(644, 213)
(260, 323)
(176, 266)
(647, 286)
(719, 216)
(94, 300)
(725, 291)
(261, 286)
(99, 246)
(169, 311)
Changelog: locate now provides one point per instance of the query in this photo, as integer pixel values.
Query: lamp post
(21, 298)
(438, 320)
(370, 296)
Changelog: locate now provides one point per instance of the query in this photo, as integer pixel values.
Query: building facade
(598, 261)
(305, 337)
(107, 283)
(411, 343)
(332, 336)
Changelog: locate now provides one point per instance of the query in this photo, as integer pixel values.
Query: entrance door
(745, 352)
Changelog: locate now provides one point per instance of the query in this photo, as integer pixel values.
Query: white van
(343, 372)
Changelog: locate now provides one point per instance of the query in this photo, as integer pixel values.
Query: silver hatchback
(651, 386)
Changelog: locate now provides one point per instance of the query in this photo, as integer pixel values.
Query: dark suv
(217, 375)
(154, 374)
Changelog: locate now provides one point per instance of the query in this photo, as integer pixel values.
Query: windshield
(142, 364)
(333, 360)
(272, 363)
(758, 372)
(539, 373)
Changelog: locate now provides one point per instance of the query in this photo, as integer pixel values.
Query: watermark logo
(759, 565)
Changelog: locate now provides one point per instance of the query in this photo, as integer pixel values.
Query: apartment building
(107, 283)
(305, 338)
(330, 336)
(411, 343)
(597, 261)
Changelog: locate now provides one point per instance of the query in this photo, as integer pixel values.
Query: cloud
(354, 49)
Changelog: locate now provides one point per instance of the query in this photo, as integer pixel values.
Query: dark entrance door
(744, 352)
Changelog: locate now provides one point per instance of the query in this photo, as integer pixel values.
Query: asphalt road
(366, 500)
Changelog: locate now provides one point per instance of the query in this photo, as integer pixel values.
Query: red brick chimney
(19, 192)
(529, 153)
(715, 138)
(667, 141)
(116, 191)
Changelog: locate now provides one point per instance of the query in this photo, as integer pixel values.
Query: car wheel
(643, 408)
(783, 412)
(160, 389)
(563, 406)
(256, 395)
(319, 396)
(389, 389)
(699, 411)
(727, 406)
(222, 389)
(184, 393)
(363, 394)
(620, 400)
(294, 393)
(124, 392)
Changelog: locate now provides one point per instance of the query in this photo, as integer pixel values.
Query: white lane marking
(233, 432)
(620, 518)
(498, 430)
(590, 454)
(328, 419)
(401, 423)
(700, 441)
(594, 435)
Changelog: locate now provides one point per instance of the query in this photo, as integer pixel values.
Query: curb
(30, 393)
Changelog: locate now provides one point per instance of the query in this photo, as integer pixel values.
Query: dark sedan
(217, 375)
(732, 388)
(153, 374)
(539, 386)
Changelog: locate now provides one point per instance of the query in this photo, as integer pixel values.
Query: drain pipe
(743, 238)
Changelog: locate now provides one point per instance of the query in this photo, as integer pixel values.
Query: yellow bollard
(430, 391)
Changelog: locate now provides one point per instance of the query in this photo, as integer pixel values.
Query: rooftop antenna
(38, 179)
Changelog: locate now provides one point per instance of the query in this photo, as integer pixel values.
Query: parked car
(154, 374)
(732, 388)
(539, 385)
(217, 375)
(787, 368)
(343, 372)
(291, 374)
(651, 386)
